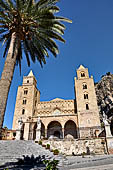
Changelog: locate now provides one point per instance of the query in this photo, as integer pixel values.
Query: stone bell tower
(27, 97)
(87, 109)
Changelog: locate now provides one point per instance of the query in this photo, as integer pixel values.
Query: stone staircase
(11, 151)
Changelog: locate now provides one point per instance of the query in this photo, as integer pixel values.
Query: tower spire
(30, 73)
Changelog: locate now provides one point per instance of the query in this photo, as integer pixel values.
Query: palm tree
(27, 26)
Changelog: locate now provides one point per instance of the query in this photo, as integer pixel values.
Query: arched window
(35, 102)
(85, 96)
(25, 91)
(82, 74)
(36, 94)
(84, 86)
(34, 112)
(23, 111)
(27, 81)
(87, 107)
(24, 101)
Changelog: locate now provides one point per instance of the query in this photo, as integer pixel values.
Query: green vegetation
(56, 152)
(40, 142)
(48, 146)
(29, 27)
(51, 165)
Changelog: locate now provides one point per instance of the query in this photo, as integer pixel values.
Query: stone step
(11, 151)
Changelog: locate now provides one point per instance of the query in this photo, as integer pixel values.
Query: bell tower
(87, 109)
(27, 97)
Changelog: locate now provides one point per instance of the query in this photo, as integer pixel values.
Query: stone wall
(56, 107)
(110, 145)
(78, 147)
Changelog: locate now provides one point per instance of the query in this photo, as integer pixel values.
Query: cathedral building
(62, 119)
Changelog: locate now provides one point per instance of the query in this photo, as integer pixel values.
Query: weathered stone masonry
(59, 119)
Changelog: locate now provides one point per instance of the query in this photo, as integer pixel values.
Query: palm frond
(10, 4)
(4, 5)
(28, 47)
(26, 54)
(35, 25)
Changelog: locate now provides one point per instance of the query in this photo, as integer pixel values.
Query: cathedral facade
(59, 118)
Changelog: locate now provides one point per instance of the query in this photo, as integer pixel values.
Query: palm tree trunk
(7, 76)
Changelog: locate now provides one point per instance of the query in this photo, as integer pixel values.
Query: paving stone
(11, 151)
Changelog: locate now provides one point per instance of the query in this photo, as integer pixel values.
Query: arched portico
(54, 130)
(70, 129)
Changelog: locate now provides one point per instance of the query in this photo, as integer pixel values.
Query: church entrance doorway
(70, 130)
(54, 130)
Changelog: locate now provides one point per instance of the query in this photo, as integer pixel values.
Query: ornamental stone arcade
(58, 118)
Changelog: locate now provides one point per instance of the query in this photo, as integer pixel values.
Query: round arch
(54, 130)
(70, 130)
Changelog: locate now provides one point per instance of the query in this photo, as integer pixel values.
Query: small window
(25, 92)
(82, 74)
(27, 81)
(87, 107)
(84, 86)
(36, 94)
(34, 112)
(23, 111)
(85, 96)
(14, 134)
(24, 101)
(35, 102)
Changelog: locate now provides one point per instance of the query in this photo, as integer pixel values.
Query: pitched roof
(30, 74)
(81, 67)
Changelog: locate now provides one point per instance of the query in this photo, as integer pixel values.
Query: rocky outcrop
(104, 92)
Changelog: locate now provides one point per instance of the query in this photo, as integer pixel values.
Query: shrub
(48, 146)
(56, 152)
(83, 154)
(40, 142)
(51, 165)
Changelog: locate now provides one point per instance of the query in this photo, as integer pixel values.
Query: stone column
(78, 133)
(45, 133)
(108, 131)
(38, 130)
(107, 126)
(38, 134)
(26, 131)
(18, 134)
(63, 133)
(19, 130)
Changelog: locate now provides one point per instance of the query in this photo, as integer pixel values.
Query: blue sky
(89, 41)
